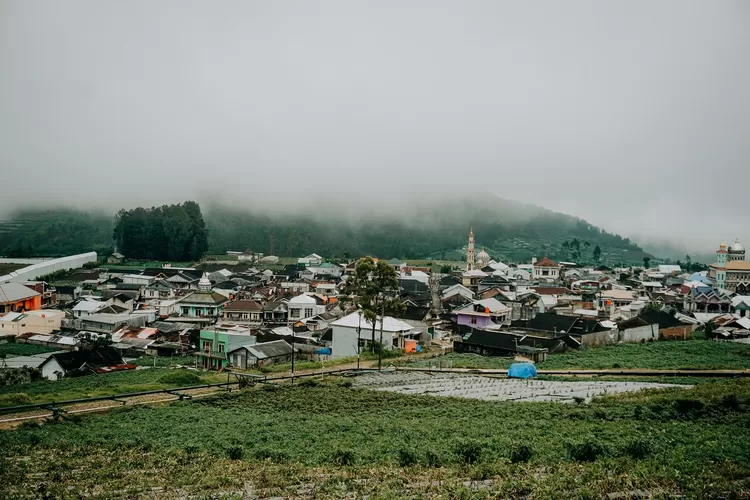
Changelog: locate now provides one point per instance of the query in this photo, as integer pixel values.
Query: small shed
(115, 258)
(260, 355)
(59, 365)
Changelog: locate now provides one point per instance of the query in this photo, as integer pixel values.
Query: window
(308, 312)
(206, 345)
(221, 346)
(245, 316)
(294, 313)
(185, 310)
(473, 320)
(545, 273)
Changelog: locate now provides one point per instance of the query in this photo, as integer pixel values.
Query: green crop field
(330, 440)
(673, 355)
(107, 384)
(165, 361)
(16, 349)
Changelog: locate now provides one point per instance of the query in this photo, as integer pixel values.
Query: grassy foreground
(331, 440)
(108, 384)
(672, 355)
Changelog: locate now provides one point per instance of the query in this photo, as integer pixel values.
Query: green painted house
(203, 305)
(216, 342)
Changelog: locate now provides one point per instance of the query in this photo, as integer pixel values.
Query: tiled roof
(210, 298)
(546, 262)
(244, 305)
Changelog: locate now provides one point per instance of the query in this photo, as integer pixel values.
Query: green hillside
(53, 232)
(508, 230)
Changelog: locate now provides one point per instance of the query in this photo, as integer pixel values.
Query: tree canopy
(170, 232)
(373, 287)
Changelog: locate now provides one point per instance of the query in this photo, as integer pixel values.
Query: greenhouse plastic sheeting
(522, 370)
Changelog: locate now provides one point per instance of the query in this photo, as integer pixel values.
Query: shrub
(521, 453)
(482, 472)
(407, 457)
(191, 449)
(586, 451)
(309, 382)
(30, 424)
(639, 448)
(74, 419)
(14, 399)
(343, 457)
(268, 454)
(181, 378)
(433, 459)
(730, 401)
(688, 406)
(236, 452)
(345, 383)
(468, 452)
(15, 376)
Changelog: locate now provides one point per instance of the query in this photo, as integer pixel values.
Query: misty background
(632, 115)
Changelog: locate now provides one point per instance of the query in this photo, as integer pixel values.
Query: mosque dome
(736, 247)
(483, 257)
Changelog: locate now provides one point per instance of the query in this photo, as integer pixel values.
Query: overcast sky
(634, 115)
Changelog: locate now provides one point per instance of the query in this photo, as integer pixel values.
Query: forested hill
(55, 232)
(508, 230)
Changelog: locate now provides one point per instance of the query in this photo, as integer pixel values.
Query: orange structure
(410, 346)
(15, 297)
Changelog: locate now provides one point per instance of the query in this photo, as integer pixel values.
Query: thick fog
(634, 115)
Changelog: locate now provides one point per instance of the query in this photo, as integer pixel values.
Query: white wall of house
(546, 273)
(137, 279)
(43, 321)
(303, 307)
(640, 333)
(52, 370)
(294, 287)
(344, 340)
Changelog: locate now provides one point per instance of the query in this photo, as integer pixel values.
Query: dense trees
(510, 231)
(169, 232)
(54, 233)
(597, 253)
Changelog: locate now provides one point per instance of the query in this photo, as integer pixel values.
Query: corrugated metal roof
(13, 292)
(271, 349)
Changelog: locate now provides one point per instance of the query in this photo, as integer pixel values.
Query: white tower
(204, 285)
(470, 251)
(721, 265)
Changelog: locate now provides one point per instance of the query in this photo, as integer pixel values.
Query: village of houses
(221, 318)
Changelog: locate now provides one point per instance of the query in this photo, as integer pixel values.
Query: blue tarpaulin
(419, 348)
(522, 370)
(325, 350)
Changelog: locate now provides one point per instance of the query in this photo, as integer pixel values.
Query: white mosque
(731, 271)
(472, 261)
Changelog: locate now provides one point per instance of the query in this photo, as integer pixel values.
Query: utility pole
(292, 354)
(380, 349)
(359, 333)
